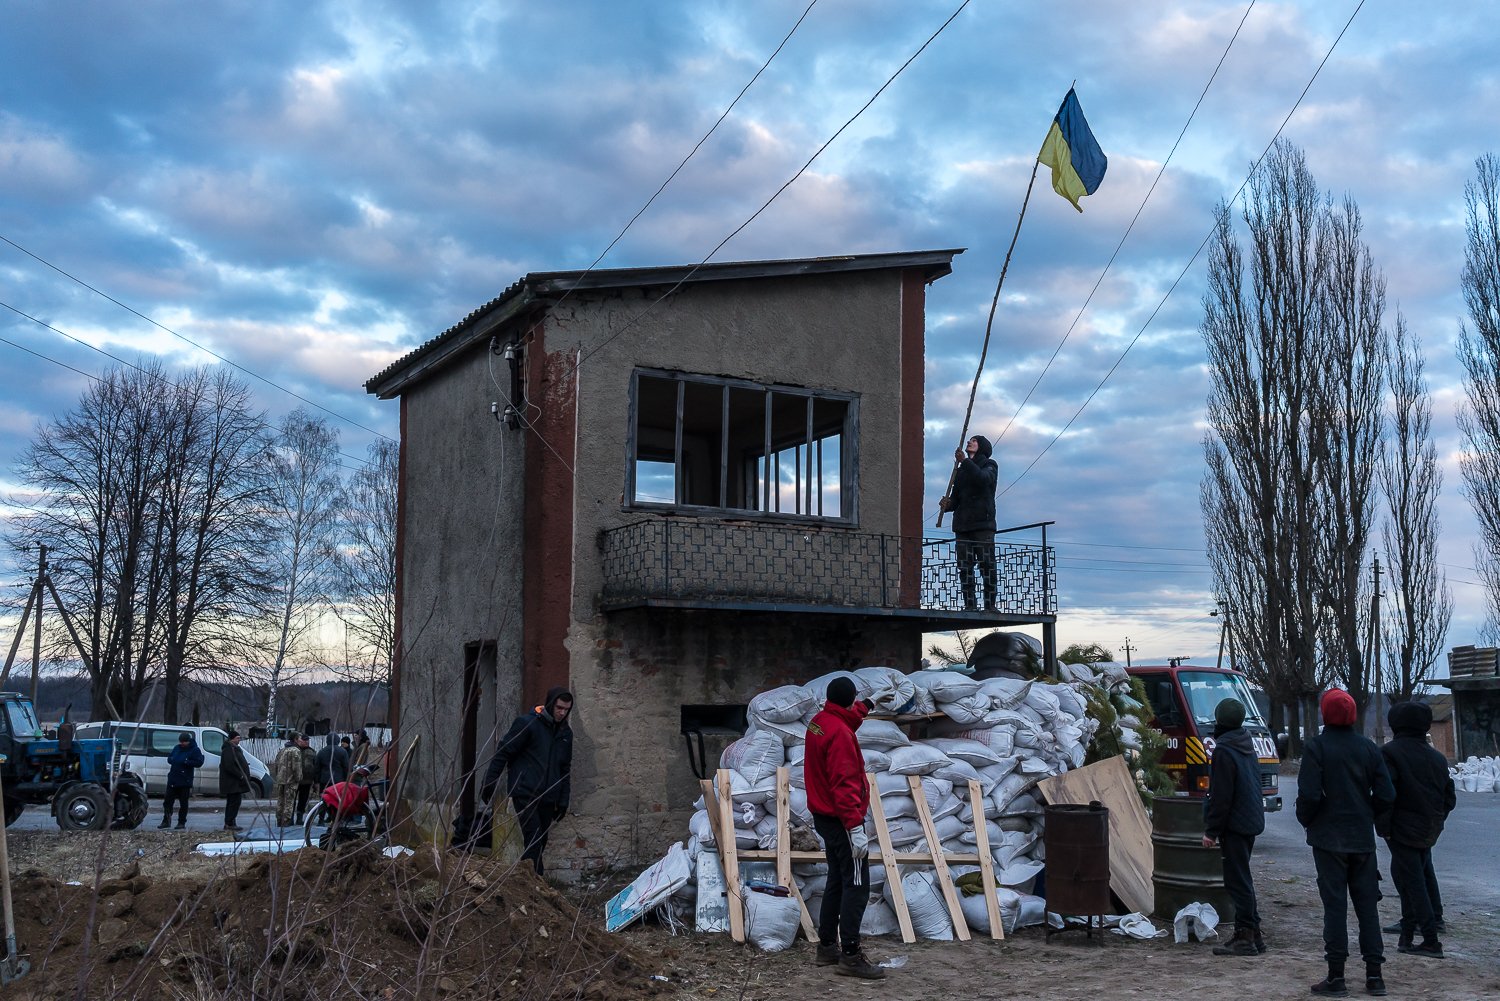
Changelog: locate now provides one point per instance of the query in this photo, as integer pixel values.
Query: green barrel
(1186, 872)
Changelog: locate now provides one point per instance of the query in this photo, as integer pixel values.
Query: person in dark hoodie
(186, 758)
(1343, 785)
(838, 796)
(972, 502)
(1424, 797)
(537, 755)
(1234, 814)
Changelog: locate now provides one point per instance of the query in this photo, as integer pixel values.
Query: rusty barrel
(1077, 846)
(1185, 871)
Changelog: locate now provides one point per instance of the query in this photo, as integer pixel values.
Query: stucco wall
(462, 557)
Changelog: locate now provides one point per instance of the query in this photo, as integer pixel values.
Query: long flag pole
(989, 326)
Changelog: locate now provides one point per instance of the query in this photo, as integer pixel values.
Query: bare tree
(1346, 424)
(1421, 606)
(1262, 335)
(303, 498)
(1479, 350)
(366, 564)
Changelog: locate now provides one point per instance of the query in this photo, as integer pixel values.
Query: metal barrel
(1077, 844)
(1185, 871)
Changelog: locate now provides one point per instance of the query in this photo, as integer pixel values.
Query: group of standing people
(298, 770)
(1348, 792)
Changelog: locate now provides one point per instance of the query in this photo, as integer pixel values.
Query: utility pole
(1223, 628)
(1374, 667)
(36, 637)
(1127, 648)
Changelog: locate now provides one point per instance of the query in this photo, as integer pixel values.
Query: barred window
(700, 442)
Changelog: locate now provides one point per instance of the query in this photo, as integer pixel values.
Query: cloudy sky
(310, 189)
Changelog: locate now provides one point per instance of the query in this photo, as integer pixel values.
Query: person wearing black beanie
(1234, 815)
(1424, 797)
(972, 502)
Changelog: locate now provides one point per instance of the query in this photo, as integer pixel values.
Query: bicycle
(348, 811)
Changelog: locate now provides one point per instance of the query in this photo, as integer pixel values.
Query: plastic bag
(1196, 920)
(771, 922)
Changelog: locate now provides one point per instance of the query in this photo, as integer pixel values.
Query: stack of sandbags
(1477, 774)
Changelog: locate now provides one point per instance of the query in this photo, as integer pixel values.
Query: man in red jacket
(838, 797)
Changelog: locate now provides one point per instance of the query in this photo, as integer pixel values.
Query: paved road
(204, 814)
(1464, 859)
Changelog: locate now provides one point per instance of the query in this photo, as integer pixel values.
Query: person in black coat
(1234, 814)
(234, 779)
(1424, 798)
(1342, 787)
(186, 758)
(537, 755)
(333, 763)
(973, 505)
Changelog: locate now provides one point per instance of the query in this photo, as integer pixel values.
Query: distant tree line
(193, 541)
(1320, 445)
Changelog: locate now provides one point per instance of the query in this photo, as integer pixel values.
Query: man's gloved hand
(859, 842)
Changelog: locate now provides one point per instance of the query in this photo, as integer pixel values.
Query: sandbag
(959, 773)
(771, 922)
(889, 688)
(1041, 700)
(967, 711)
(756, 755)
(973, 752)
(898, 806)
(999, 738)
(945, 686)
(929, 913)
(916, 759)
(1033, 911)
(1005, 693)
(875, 761)
(1020, 872)
(879, 919)
(793, 734)
(817, 688)
(992, 829)
(786, 704)
(699, 826)
(977, 914)
(880, 735)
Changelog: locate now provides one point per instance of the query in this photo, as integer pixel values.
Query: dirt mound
(312, 925)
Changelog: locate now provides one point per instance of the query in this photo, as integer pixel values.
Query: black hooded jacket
(973, 501)
(1342, 786)
(537, 755)
(1234, 800)
(1424, 789)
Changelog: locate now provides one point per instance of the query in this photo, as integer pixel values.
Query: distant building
(1474, 680)
(667, 489)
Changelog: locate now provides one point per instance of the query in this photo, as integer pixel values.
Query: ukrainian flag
(1073, 153)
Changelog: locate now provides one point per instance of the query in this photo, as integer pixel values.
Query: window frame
(848, 517)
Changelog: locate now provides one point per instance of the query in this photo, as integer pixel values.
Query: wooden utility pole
(1374, 665)
(1128, 648)
(33, 604)
(36, 637)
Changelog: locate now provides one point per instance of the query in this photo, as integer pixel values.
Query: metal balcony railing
(725, 562)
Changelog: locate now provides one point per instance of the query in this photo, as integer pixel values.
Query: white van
(147, 745)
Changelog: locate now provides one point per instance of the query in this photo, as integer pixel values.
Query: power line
(361, 463)
(188, 340)
(1115, 545)
(1178, 280)
(1134, 219)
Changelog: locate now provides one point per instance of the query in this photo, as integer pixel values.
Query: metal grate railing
(694, 559)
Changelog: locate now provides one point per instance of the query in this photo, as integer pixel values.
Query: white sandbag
(992, 775)
(1012, 786)
(796, 753)
(999, 737)
(748, 814)
(797, 807)
(989, 809)
(755, 756)
(796, 777)
(945, 686)
(771, 922)
(890, 784)
(1033, 911)
(742, 790)
(963, 749)
(966, 711)
(1041, 700)
(959, 773)
(922, 703)
(1020, 872)
(817, 688)
(977, 914)
(891, 689)
(904, 830)
(746, 838)
(812, 884)
(786, 704)
(948, 827)
(916, 759)
(1024, 805)
(929, 912)
(875, 761)
(898, 806)
(880, 735)
(700, 828)
(948, 808)
(1071, 701)
(1010, 845)
(1005, 693)
(1036, 768)
(968, 837)
(879, 919)
(767, 826)
(793, 734)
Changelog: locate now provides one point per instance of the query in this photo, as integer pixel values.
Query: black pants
(175, 795)
(843, 901)
(1421, 906)
(1342, 877)
(976, 548)
(304, 791)
(232, 807)
(536, 817)
(1236, 849)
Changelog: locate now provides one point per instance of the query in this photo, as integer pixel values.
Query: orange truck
(1184, 699)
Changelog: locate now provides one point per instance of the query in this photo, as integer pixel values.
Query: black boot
(1332, 986)
(1374, 982)
(1243, 944)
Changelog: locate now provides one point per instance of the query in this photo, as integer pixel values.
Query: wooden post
(888, 859)
(727, 848)
(784, 850)
(986, 861)
(36, 637)
(939, 863)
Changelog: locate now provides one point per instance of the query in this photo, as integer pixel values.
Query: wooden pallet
(716, 798)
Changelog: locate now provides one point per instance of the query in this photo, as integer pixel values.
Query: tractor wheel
(14, 805)
(82, 807)
(130, 806)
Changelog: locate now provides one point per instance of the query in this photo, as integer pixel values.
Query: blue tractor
(74, 777)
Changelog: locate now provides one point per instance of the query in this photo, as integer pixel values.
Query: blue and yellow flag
(1073, 153)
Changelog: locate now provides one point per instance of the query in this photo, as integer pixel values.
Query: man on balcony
(972, 502)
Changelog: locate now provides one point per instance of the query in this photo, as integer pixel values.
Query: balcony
(764, 566)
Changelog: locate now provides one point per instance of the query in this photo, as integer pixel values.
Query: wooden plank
(877, 857)
(1130, 860)
(724, 835)
(986, 861)
(939, 863)
(784, 849)
(889, 860)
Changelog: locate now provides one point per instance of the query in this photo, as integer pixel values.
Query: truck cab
(1183, 700)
